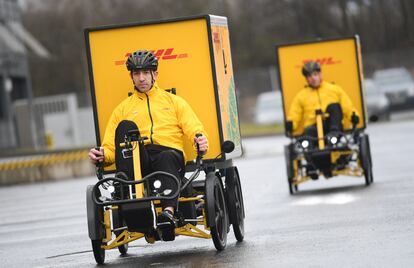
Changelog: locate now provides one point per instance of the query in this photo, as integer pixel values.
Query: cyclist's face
(143, 79)
(314, 79)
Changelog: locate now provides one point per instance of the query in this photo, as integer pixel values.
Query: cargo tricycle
(194, 63)
(346, 152)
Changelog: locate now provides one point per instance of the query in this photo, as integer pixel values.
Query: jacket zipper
(152, 122)
(319, 97)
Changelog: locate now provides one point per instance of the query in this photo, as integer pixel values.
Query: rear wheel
(216, 211)
(365, 158)
(235, 202)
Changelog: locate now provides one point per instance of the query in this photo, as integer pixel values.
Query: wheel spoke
(217, 206)
(217, 219)
(239, 214)
(237, 203)
(220, 226)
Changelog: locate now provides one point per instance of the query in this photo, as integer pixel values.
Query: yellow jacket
(302, 109)
(161, 116)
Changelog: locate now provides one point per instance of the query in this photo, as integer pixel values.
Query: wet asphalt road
(330, 223)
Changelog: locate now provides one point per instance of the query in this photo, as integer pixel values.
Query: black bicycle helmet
(310, 67)
(142, 59)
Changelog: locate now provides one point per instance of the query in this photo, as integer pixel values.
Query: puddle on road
(335, 199)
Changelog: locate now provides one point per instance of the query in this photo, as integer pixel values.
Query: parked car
(398, 86)
(269, 108)
(378, 105)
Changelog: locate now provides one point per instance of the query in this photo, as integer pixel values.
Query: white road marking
(333, 199)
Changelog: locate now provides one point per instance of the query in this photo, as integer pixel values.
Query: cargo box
(341, 64)
(194, 58)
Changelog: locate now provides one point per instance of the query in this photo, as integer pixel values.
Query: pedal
(166, 231)
(179, 219)
(313, 174)
(167, 234)
(166, 227)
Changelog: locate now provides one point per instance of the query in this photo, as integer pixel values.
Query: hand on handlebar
(354, 119)
(201, 143)
(96, 155)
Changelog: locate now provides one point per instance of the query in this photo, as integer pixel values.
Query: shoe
(327, 173)
(313, 174)
(166, 225)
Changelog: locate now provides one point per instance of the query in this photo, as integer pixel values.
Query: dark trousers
(332, 124)
(153, 158)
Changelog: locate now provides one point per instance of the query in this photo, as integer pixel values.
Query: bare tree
(256, 26)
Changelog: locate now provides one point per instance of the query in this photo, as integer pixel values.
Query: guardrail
(43, 160)
(45, 167)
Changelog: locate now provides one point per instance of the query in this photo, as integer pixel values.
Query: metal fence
(58, 122)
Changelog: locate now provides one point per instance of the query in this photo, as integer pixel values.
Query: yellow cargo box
(194, 58)
(340, 60)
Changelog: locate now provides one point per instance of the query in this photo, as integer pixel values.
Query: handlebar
(143, 180)
(133, 135)
(99, 167)
(198, 163)
(199, 154)
(200, 166)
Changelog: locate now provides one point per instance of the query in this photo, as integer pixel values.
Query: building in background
(59, 122)
(16, 44)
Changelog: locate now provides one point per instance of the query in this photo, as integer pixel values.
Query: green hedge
(251, 130)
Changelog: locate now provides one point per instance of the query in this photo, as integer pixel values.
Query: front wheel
(235, 202)
(95, 225)
(98, 251)
(216, 211)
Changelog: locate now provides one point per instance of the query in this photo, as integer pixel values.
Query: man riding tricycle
(147, 144)
(323, 120)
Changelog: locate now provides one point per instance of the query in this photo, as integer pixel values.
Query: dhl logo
(321, 61)
(161, 54)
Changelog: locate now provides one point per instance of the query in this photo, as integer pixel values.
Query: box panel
(340, 62)
(183, 47)
(225, 81)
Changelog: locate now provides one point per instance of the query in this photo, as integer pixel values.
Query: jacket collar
(152, 92)
(321, 85)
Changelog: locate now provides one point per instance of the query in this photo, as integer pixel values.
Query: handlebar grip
(98, 164)
(198, 146)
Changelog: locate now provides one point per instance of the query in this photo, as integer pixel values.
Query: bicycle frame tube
(319, 126)
(139, 188)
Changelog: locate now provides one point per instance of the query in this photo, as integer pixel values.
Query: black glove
(354, 119)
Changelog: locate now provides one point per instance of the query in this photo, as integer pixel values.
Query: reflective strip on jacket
(161, 116)
(302, 109)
